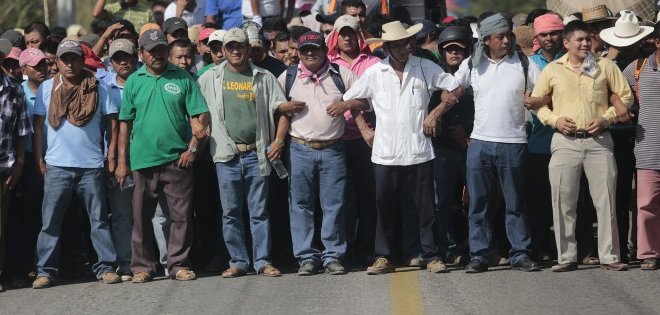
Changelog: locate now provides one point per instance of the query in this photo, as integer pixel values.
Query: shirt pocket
(599, 91)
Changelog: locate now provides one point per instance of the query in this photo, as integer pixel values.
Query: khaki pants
(569, 157)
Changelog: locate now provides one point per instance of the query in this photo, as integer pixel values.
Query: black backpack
(291, 72)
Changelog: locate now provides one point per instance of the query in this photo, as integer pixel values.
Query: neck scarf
(76, 103)
(493, 24)
(314, 76)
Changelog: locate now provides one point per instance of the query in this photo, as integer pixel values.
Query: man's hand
(430, 125)
(623, 115)
(368, 136)
(41, 164)
(291, 107)
(596, 126)
(275, 149)
(199, 131)
(449, 98)
(14, 175)
(110, 31)
(121, 173)
(111, 167)
(565, 125)
(534, 103)
(186, 159)
(337, 109)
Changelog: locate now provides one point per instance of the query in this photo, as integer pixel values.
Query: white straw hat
(394, 31)
(626, 31)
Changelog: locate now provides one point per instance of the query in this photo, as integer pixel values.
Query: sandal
(233, 272)
(649, 264)
(590, 260)
(185, 275)
(141, 277)
(269, 271)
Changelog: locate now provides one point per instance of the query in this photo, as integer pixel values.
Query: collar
(143, 70)
(28, 92)
(560, 54)
(359, 58)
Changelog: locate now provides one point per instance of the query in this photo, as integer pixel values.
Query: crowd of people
(234, 137)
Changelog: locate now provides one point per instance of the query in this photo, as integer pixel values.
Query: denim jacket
(269, 95)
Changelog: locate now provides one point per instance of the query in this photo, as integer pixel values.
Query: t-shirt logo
(172, 88)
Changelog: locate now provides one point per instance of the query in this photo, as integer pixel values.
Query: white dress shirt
(400, 108)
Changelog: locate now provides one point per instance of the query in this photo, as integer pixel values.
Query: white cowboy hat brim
(608, 36)
(410, 32)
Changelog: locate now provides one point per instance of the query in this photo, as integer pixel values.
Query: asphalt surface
(589, 290)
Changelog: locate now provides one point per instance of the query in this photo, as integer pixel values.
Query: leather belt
(316, 145)
(242, 147)
(579, 134)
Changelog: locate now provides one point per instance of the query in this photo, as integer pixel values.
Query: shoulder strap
(290, 77)
(336, 77)
(639, 65)
(524, 61)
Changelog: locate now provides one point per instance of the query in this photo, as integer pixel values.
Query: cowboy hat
(394, 31)
(626, 31)
(596, 14)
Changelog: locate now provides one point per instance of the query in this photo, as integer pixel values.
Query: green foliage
(508, 6)
(20, 13)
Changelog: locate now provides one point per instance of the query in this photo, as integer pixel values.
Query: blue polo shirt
(229, 12)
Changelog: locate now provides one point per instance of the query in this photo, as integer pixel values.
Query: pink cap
(14, 53)
(205, 33)
(31, 57)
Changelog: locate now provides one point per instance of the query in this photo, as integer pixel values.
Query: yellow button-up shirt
(579, 96)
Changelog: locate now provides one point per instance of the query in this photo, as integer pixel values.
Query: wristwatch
(192, 149)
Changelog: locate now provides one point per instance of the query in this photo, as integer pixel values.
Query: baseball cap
(174, 24)
(251, 30)
(217, 36)
(148, 26)
(16, 39)
(122, 44)
(427, 28)
(346, 20)
(205, 33)
(151, 39)
(5, 46)
(31, 57)
(311, 39)
(69, 46)
(234, 35)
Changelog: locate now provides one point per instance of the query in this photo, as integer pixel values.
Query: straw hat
(597, 13)
(525, 38)
(626, 31)
(394, 31)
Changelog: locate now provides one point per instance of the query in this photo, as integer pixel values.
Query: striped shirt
(647, 140)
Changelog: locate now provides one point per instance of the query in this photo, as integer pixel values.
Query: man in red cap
(203, 48)
(11, 67)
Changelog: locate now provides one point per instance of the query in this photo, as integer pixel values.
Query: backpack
(639, 65)
(291, 72)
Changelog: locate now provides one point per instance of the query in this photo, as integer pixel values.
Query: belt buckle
(580, 134)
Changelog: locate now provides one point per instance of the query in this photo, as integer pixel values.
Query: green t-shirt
(204, 69)
(239, 104)
(160, 108)
(139, 14)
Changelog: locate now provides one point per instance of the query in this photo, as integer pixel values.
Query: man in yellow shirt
(580, 84)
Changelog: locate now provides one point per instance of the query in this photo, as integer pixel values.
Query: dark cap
(327, 18)
(16, 39)
(5, 46)
(311, 39)
(151, 39)
(428, 27)
(174, 24)
(69, 46)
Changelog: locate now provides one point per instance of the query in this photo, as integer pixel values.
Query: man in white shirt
(191, 11)
(257, 10)
(399, 89)
(498, 144)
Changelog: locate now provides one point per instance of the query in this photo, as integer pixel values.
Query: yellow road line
(406, 294)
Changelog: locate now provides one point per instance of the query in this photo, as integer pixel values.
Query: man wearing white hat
(399, 88)
(579, 83)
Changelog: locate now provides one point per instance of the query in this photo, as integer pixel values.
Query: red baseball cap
(205, 34)
(31, 57)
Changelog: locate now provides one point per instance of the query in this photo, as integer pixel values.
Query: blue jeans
(486, 163)
(448, 166)
(121, 221)
(319, 173)
(239, 179)
(60, 184)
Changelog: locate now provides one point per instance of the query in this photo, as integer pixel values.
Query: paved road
(500, 291)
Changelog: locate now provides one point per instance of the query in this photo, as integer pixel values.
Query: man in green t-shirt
(243, 99)
(159, 100)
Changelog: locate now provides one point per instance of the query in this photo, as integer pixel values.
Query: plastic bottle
(278, 166)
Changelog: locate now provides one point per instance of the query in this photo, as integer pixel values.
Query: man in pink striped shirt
(347, 47)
